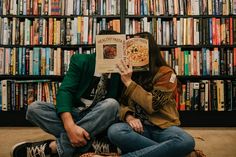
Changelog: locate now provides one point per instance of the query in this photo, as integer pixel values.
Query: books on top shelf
(59, 7)
(110, 49)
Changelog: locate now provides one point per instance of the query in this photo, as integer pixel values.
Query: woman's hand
(135, 123)
(125, 70)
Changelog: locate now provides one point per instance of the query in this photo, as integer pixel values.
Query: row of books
(180, 7)
(53, 31)
(60, 7)
(206, 95)
(82, 30)
(36, 61)
(17, 95)
(50, 61)
(186, 31)
(204, 62)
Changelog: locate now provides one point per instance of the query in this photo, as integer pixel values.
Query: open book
(110, 49)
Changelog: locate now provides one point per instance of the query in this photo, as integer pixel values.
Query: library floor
(215, 142)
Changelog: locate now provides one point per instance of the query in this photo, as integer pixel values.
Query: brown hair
(145, 78)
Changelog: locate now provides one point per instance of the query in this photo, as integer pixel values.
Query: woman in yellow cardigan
(149, 112)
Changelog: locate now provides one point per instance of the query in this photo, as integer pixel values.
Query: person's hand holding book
(125, 70)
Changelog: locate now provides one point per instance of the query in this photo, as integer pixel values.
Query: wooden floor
(215, 142)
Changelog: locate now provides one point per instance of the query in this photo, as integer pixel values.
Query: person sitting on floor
(79, 114)
(150, 126)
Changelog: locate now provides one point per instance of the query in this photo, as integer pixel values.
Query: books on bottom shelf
(17, 95)
(207, 95)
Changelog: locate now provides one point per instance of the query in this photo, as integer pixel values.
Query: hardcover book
(110, 49)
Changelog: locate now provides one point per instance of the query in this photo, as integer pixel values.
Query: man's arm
(66, 98)
(77, 135)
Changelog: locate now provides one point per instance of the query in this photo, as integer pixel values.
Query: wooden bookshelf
(188, 118)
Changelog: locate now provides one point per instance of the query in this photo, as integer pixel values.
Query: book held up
(110, 49)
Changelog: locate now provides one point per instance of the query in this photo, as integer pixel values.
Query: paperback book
(110, 49)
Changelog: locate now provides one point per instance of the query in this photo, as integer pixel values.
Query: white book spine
(86, 23)
(7, 60)
(24, 7)
(14, 31)
(220, 95)
(4, 95)
(206, 95)
(5, 31)
(49, 7)
(2, 61)
(210, 7)
(74, 25)
(69, 9)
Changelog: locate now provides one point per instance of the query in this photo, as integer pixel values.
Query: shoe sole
(16, 145)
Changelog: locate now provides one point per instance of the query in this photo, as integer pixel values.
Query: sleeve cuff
(130, 88)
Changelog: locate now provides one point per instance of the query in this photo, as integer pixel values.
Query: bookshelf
(169, 24)
(38, 37)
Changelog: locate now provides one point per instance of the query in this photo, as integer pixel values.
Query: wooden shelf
(60, 16)
(32, 77)
(85, 46)
(178, 16)
(13, 119)
(188, 119)
(208, 119)
(207, 77)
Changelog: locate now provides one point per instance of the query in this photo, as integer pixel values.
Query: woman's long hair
(156, 60)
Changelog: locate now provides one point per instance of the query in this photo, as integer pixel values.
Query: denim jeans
(153, 142)
(94, 120)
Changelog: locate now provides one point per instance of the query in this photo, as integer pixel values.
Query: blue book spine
(20, 61)
(145, 10)
(13, 102)
(78, 8)
(1, 7)
(204, 71)
(23, 61)
(24, 7)
(36, 60)
(47, 60)
(210, 30)
(142, 8)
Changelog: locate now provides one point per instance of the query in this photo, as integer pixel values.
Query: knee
(111, 104)
(190, 143)
(117, 131)
(187, 143)
(32, 109)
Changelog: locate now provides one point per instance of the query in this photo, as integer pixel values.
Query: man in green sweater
(78, 115)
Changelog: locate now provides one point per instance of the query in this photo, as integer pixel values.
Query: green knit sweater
(77, 80)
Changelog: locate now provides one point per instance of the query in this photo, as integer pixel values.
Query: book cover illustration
(110, 49)
(137, 53)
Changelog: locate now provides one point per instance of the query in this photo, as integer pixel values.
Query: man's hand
(135, 123)
(78, 136)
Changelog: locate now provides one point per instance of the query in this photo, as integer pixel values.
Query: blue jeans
(153, 142)
(94, 121)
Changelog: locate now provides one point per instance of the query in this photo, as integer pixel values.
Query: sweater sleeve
(68, 87)
(165, 84)
(124, 110)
